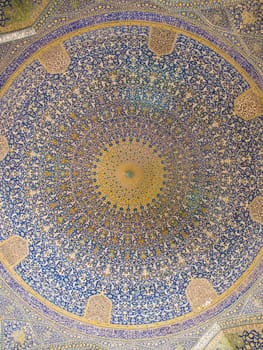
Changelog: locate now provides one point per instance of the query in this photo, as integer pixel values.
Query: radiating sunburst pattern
(128, 174)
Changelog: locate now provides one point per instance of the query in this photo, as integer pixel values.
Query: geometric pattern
(121, 252)
(41, 332)
(126, 177)
(79, 242)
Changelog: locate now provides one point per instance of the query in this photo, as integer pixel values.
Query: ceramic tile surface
(128, 174)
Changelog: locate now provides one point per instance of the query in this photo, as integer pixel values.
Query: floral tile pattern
(82, 241)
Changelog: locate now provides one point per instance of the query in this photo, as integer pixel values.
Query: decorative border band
(127, 17)
(136, 332)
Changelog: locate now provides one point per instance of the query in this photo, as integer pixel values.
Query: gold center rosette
(129, 174)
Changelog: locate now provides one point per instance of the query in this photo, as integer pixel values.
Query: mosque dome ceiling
(131, 153)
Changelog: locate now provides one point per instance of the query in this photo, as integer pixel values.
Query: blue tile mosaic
(116, 89)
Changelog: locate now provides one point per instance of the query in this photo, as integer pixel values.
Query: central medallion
(129, 174)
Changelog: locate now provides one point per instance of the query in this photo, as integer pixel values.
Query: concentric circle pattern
(130, 174)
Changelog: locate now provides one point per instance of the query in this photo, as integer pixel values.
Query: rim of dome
(132, 18)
